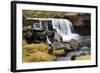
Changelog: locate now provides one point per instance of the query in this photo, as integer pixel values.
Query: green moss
(59, 52)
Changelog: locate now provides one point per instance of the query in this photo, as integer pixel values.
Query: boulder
(59, 52)
(73, 44)
(68, 47)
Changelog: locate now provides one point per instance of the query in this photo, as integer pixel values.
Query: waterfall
(63, 26)
(65, 29)
(49, 42)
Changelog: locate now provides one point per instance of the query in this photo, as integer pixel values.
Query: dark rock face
(28, 36)
(80, 19)
(83, 30)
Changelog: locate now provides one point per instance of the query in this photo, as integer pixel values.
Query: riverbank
(43, 52)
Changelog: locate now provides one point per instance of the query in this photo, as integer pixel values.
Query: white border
(21, 66)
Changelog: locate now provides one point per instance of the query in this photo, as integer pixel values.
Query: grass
(36, 53)
(38, 57)
(32, 48)
(83, 57)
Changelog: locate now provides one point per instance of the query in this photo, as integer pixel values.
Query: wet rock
(84, 41)
(73, 44)
(57, 45)
(73, 57)
(58, 48)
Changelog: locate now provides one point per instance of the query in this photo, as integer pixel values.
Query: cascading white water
(65, 29)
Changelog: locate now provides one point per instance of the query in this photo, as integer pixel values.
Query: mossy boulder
(59, 52)
(68, 47)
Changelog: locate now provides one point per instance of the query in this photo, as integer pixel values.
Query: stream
(85, 41)
(71, 54)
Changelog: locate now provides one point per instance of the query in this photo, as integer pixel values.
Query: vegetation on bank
(43, 53)
(42, 14)
(84, 57)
